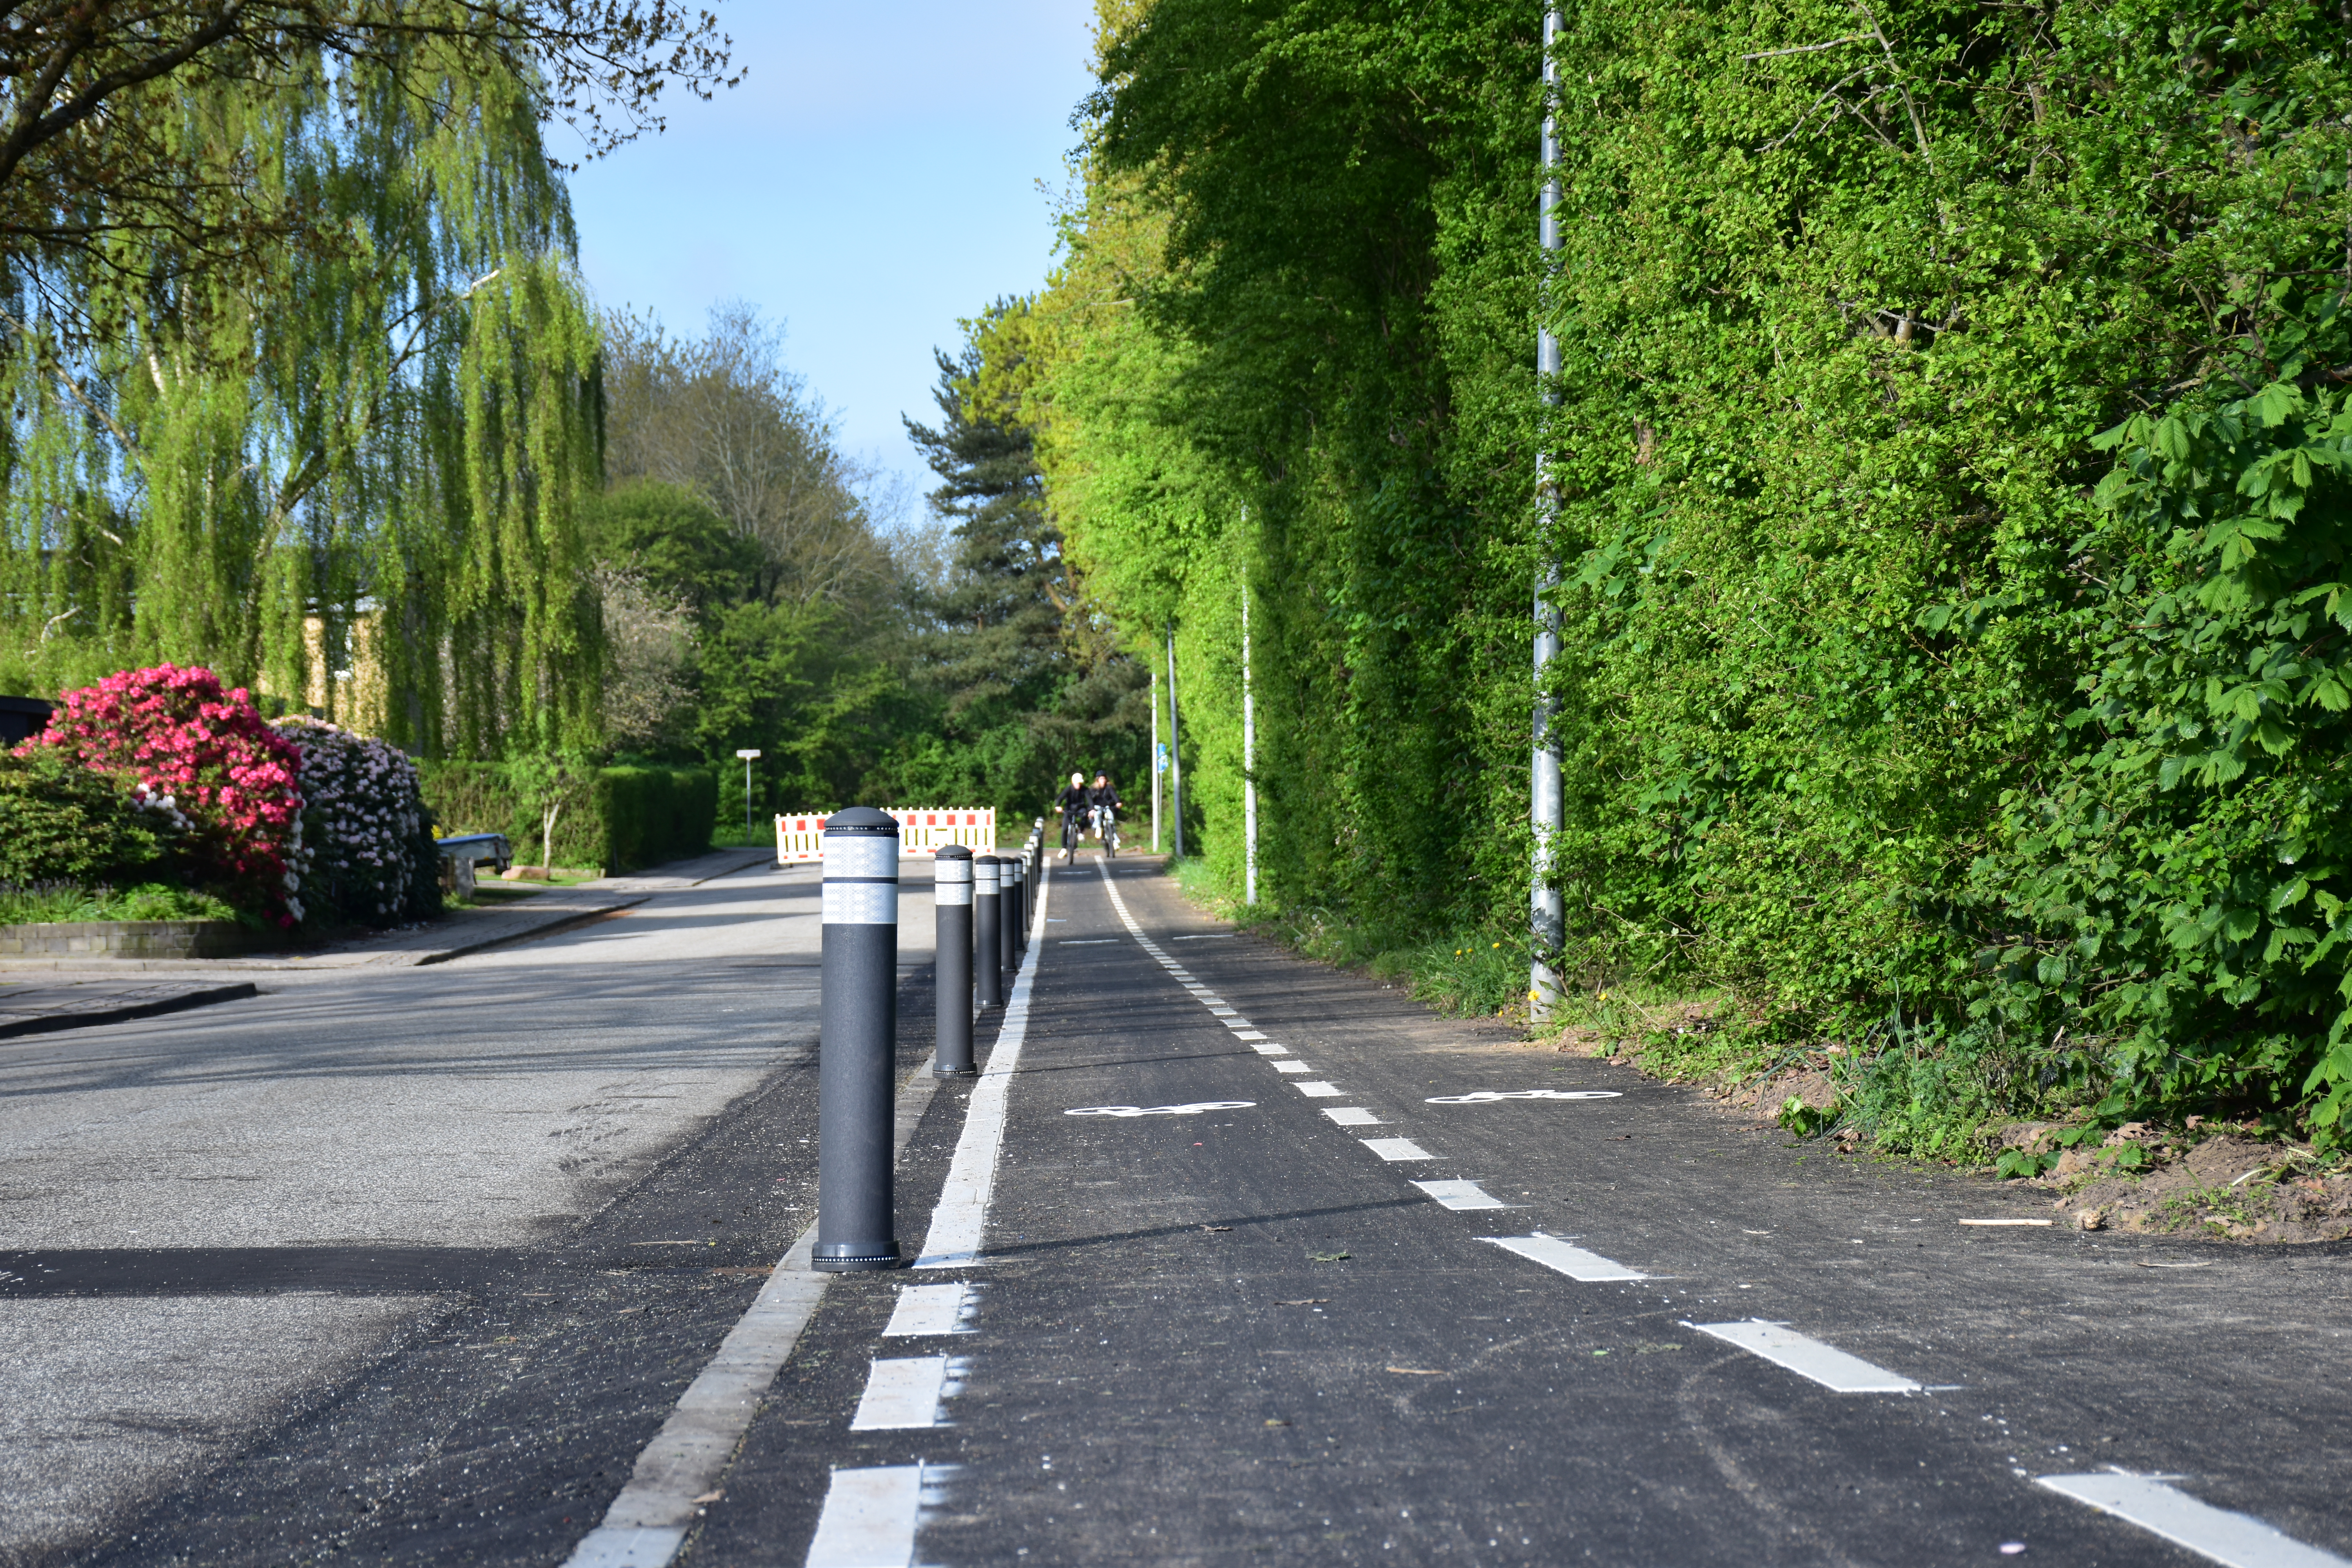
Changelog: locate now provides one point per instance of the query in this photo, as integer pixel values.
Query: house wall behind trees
(1950, 440)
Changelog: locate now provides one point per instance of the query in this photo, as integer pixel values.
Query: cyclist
(1074, 803)
(1103, 806)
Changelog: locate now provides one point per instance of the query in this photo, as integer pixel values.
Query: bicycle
(1105, 827)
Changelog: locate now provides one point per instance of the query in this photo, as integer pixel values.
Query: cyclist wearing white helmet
(1072, 802)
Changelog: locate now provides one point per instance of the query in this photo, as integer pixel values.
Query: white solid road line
(1394, 1149)
(1351, 1116)
(647, 1521)
(960, 1218)
(1550, 1252)
(900, 1393)
(869, 1520)
(1316, 1090)
(2238, 1539)
(1825, 1365)
(1461, 1195)
(931, 1309)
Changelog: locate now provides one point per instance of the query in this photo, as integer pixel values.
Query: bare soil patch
(2216, 1183)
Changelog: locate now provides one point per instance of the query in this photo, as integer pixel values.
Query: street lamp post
(749, 758)
(1546, 911)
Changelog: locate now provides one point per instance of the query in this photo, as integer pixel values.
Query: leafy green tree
(362, 456)
(731, 494)
(89, 151)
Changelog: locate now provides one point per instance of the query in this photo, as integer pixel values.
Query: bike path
(1237, 1328)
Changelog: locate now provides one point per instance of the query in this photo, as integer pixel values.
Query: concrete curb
(49, 1023)
(577, 905)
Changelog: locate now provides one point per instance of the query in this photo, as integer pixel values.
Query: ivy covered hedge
(1950, 447)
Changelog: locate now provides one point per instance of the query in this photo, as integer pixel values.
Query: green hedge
(656, 813)
(626, 818)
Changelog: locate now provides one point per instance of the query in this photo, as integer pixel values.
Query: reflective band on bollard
(951, 974)
(857, 1043)
(987, 916)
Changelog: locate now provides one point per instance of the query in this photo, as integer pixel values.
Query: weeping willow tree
(345, 470)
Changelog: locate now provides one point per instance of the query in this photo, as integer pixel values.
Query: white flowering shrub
(365, 839)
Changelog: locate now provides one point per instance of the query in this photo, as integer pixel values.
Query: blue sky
(874, 178)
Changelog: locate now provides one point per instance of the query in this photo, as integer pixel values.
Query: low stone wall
(134, 938)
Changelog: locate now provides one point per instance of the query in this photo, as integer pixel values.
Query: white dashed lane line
(1824, 1364)
(868, 1518)
(1462, 1195)
(2235, 1540)
(931, 1309)
(1590, 1268)
(2238, 1539)
(902, 1391)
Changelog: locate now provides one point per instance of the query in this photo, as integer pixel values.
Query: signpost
(749, 758)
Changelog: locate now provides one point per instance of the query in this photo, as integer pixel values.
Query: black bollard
(951, 902)
(1009, 875)
(857, 1042)
(1016, 913)
(987, 919)
(1029, 893)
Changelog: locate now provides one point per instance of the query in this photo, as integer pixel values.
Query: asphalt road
(308, 1232)
(367, 1272)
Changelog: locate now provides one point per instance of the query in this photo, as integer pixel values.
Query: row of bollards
(981, 905)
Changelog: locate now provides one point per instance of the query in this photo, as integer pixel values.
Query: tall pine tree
(1030, 682)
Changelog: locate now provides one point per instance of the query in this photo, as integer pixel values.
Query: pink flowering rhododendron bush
(372, 860)
(182, 741)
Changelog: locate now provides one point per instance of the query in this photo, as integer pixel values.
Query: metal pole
(857, 1043)
(1155, 762)
(1547, 917)
(748, 757)
(1249, 764)
(1175, 750)
(951, 971)
(987, 915)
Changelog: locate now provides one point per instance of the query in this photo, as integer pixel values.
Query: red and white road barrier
(921, 831)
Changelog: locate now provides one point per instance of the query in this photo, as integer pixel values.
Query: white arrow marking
(1482, 1096)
